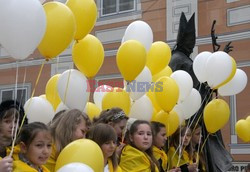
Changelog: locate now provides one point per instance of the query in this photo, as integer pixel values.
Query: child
(137, 155)
(180, 153)
(10, 111)
(35, 143)
(104, 135)
(70, 125)
(196, 143)
(159, 131)
(114, 117)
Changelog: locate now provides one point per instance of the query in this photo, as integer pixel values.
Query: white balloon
(199, 65)
(180, 113)
(142, 109)
(38, 110)
(77, 87)
(140, 85)
(75, 167)
(191, 104)
(23, 24)
(184, 82)
(218, 68)
(235, 85)
(61, 107)
(140, 31)
(99, 94)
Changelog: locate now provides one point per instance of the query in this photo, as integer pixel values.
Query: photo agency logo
(134, 86)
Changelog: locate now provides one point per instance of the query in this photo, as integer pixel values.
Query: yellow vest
(20, 166)
(134, 160)
(173, 158)
(51, 162)
(160, 154)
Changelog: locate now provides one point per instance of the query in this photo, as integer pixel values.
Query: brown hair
(63, 127)
(29, 132)
(102, 133)
(133, 129)
(114, 115)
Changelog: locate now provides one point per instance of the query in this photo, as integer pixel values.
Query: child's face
(119, 127)
(186, 137)
(142, 138)
(160, 138)
(108, 148)
(196, 136)
(39, 149)
(81, 130)
(6, 126)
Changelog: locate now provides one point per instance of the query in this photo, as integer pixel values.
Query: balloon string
(197, 156)
(67, 86)
(33, 92)
(204, 143)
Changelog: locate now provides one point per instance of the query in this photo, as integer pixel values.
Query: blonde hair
(63, 127)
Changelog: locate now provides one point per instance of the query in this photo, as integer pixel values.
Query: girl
(10, 110)
(159, 142)
(114, 117)
(196, 143)
(104, 135)
(180, 153)
(35, 142)
(70, 125)
(137, 155)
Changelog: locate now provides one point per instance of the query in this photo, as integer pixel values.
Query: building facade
(233, 24)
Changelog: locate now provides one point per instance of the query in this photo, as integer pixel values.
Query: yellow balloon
(171, 121)
(242, 128)
(154, 114)
(216, 115)
(51, 91)
(92, 110)
(131, 59)
(248, 118)
(151, 96)
(168, 94)
(85, 13)
(60, 29)
(167, 71)
(234, 67)
(84, 151)
(117, 98)
(88, 55)
(158, 57)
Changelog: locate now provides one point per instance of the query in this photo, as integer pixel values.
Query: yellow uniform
(51, 162)
(135, 160)
(173, 158)
(160, 154)
(20, 166)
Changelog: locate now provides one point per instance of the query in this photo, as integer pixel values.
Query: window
(109, 7)
(22, 93)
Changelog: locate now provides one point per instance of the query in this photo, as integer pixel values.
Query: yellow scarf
(20, 166)
(160, 154)
(16, 151)
(110, 165)
(174, 158)
(134, 160)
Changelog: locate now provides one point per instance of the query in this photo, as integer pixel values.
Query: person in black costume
(216, 156)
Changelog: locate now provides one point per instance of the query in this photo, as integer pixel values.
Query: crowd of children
(140, 146)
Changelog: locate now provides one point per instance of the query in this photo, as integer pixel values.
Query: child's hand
(192, 167)
(119, 149)
(175, 170)
(6, 164)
